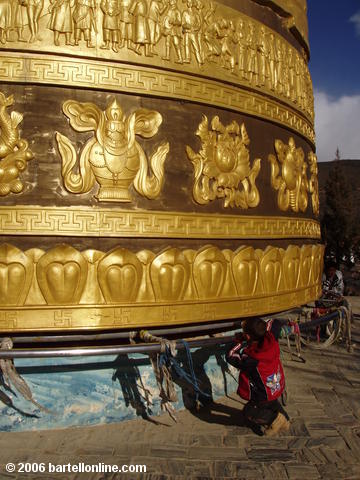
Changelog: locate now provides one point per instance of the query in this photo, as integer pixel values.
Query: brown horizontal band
(150, 81)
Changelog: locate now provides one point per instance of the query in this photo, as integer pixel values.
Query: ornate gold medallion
(222, 167)
(113, 158)
(291, 184)
(14, 151)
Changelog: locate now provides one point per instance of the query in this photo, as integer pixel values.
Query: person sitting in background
(333, 281)
(261, 377)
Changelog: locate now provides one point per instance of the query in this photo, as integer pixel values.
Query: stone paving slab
(323, 442)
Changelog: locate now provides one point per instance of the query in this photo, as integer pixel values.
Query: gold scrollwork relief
(222, 167)
(113, 158)
(203, 35)
(14, 151)
(314, 183)
(291, 182)
(65, 276)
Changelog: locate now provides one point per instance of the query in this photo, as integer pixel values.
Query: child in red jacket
(261, 378)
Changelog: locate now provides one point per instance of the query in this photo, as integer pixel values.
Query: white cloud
(337, 124)
(356, 20)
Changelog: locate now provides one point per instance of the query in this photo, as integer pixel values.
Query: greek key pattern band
(55, 71)
(88, 222)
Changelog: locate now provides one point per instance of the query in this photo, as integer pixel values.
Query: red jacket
(261, 377)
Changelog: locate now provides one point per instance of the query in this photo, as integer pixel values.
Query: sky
(334, 35)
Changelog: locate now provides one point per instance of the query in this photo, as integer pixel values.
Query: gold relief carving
(14, 151)
(306, 260)
(145, 81)
(222, 167)
(92, 291)
(113, 158)
(317, 264)
(209, 272)
(313, 183)
(172, 275)
(170, 272)
(84, 221)
(291, 267)
(246, 270)
(206, 37)
(120, 274)
(271, 269)
(291, 184)
(15, 275)
(146, 293)
(61, 274)
(261, 281)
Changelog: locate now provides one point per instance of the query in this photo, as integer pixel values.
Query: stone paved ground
(323, 443)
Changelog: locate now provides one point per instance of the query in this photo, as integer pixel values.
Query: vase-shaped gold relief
(291, 267)
(314, 183)
(246, 271)
(271, 268)
(170, 274)
(222, 167)
(288, 176)
(14, 151)
(120, 274)
(16, 271)
(209, 272)
(61, 274)
(306, 265)
(317, 262)
(112, 158)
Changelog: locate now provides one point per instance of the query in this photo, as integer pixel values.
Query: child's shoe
(280, 424)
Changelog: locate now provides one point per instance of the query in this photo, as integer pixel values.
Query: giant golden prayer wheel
(157, 162)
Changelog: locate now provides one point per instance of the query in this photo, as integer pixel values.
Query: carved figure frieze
(314, 183)
(182, 31)
(66, 277)
(222, 167)
(288, 176)
(113, 157)
(14, 151)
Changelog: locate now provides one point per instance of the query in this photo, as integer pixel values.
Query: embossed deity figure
(61, 20)
(172, 31)
(156, 10)
(125, 25)
(5, 20)
(34, 9)
(84, 21)
(228, 41)
(141, 32)
(240, 55)
(261, 52)
(111, 12)
(113, 158)
(212, 34)
(191, 26)
(252, 58)
(17, 19)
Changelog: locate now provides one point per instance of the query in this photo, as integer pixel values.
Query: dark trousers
(262, 413)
